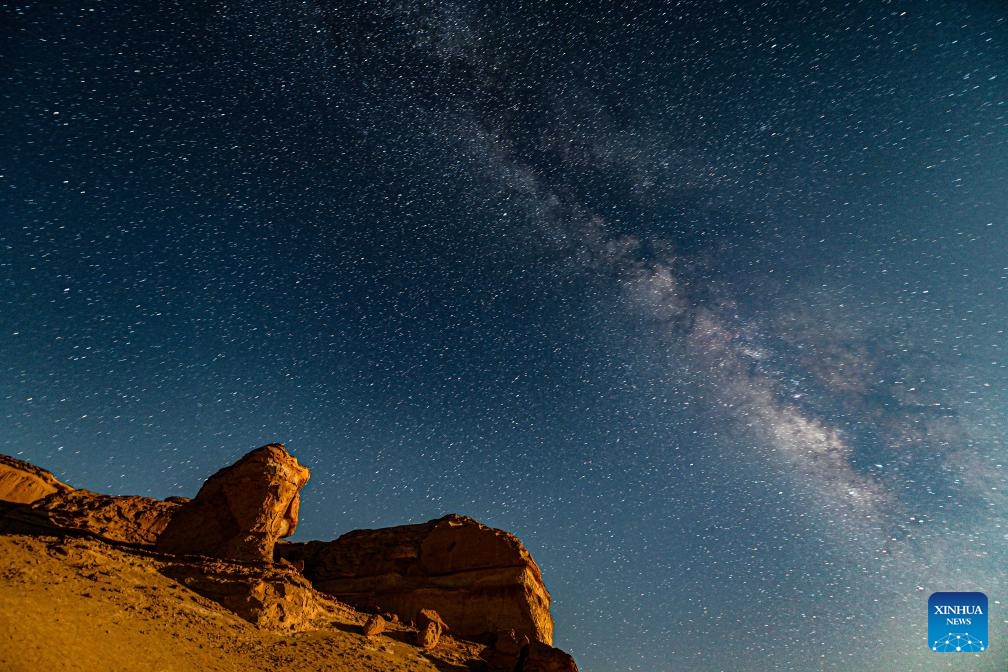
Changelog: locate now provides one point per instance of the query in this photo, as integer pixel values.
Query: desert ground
(82, 604)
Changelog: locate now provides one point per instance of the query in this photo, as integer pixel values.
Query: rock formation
(429, 636)
(38, 502)
(479, 579)
(425, 616)
(241, 510)
(540, 657)
(511, 653)
(125, 519)
(272, 598)
(450, 575)
(24, 483)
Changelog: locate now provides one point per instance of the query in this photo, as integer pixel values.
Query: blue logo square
(957, 622)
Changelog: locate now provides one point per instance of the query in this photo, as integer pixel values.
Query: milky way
(706, 302)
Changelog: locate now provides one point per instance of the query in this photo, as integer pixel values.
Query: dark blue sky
(705, 301)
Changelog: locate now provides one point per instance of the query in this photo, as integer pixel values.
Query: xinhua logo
(957, 622)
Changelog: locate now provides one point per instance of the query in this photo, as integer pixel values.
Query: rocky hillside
(98, 582)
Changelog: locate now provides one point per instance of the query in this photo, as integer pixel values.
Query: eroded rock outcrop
(451, 575)
(241, 510)
(24, 483)
(513, 653)
(36, 502)
(270, 597)
(125, 519)
(479, 579)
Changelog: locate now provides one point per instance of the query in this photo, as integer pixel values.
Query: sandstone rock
(429, 628)
(509, 654)
(541, 657)
(509, 643)
(126, 519)
(299, 567)
(479, 579)
(241, 510)
(24, 483)
(374, 625)
(427, 616)
(507, 650)
(429, 635)
(51, 507)
(271, 598)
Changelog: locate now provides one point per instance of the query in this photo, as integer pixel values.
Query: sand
(83, 604)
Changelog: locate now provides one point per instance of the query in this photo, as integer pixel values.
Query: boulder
(479, 579)
(241, 510)
(429, 628)
(429, 636)
(425, 616)
(373, 626)
(38, 503)
(24, 483)
(510, 654)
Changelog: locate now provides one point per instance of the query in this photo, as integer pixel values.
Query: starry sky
(705, 301)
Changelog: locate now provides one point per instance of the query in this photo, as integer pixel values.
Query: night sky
(705, 301)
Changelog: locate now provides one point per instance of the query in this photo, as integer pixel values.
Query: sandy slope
(81, 604)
